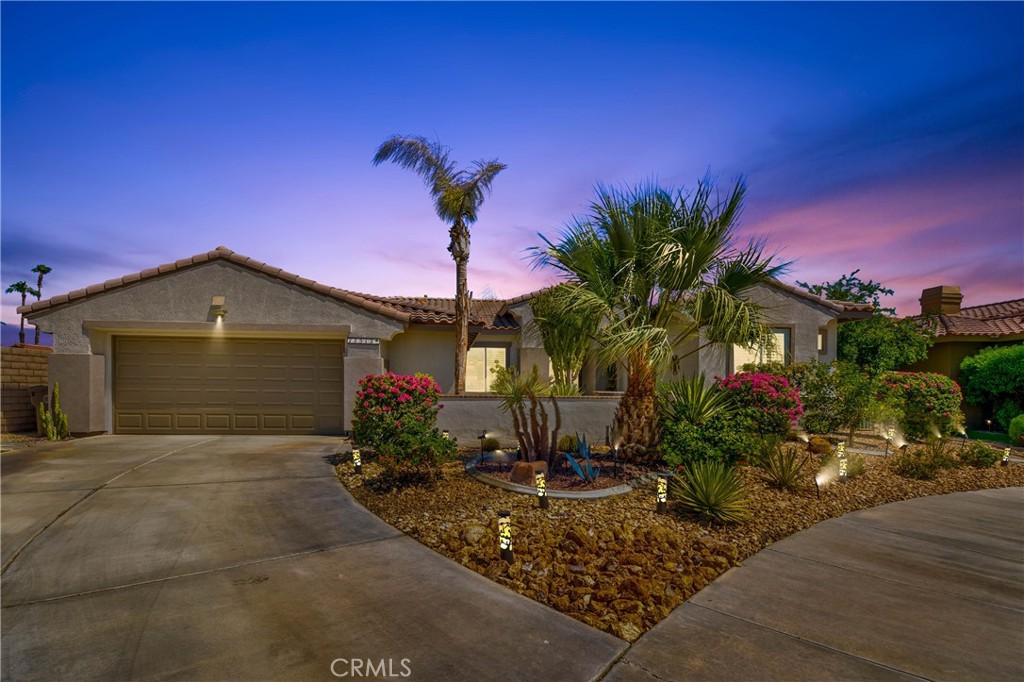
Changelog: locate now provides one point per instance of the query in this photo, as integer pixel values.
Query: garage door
(204, 385)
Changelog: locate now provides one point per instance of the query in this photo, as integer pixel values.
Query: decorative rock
(525, 473)
(474, 534)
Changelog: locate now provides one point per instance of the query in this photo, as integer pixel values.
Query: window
(758, 356)
(479, 361)
(822, 340)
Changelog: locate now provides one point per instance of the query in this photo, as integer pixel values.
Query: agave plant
(711, 490)
(782, 464)
(691, 400)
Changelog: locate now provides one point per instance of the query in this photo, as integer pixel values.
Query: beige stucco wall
(432, 351)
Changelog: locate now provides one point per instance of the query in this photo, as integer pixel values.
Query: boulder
(525, 473)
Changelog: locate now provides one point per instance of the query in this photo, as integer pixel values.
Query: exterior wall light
(542, 490)
(662, 494)
(217, 308)
(841, 454)
(357, 461)
(1006, 457)
(505, 536)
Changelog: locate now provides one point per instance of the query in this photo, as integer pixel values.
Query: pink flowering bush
(396, 417)
(768, 401)
(930, 402)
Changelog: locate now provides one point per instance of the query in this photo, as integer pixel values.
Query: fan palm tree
(24, 289)
(645, 259)
(457, 196)
(42, 270)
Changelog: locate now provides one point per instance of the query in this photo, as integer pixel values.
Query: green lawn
(989, 435)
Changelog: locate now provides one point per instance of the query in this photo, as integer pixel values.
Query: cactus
(52, 418)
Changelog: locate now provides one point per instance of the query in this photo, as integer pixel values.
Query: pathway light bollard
(662, 494)
(505, 536)
(357, 461)
(482, 437)
(890, 435)
(963, 440)
(1006, 457)
(988, 424)
(446, 434)
(542, 490)
(841, 454)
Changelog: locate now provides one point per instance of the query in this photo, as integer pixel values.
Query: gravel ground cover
(615, 563)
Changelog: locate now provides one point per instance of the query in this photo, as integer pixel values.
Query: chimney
(943, 300)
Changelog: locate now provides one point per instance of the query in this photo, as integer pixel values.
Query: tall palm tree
(457, 196)
(42, 270)
(24, 289)
(645, 259)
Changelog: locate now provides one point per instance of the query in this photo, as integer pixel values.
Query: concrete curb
(627, 487)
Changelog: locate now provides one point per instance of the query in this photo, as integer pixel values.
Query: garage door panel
(193, 385)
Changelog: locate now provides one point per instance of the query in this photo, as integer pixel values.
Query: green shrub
(1016, 430)
(725, 437)
(52, 419)
(782, 463)
(711, 490)
(930, 403)
(979, 455)
(925, 461)
(769, 401)
(396, 417)
(994, 377)
(693, 400)
(568, 443)
(490, 444)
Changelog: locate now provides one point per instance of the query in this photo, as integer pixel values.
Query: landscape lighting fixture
(662, 494)
(357, 461)
(542, 490)
(841, 454)
(1006, 457)
(890, 434)
(482, 437)
(505, 536)
(446, 435)
(988, 424)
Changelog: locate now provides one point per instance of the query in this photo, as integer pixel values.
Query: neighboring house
(962, 332)
(222, 343)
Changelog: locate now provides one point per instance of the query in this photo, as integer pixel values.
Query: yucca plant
(783, 464)
(711, 490)
(692, 400)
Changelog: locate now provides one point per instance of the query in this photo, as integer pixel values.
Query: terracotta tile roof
(486, 313)
(1005, 318)
(844, 308)
(222, 253)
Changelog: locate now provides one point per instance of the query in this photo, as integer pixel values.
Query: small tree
(523, 398)
(566, 334)
(882, 344)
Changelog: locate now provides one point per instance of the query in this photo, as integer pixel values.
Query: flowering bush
(930, 402)
(769, 401)
(396, 416)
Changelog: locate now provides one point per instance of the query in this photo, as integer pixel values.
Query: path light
(662, 495)
(841, 454)
(963, 439)
(890, 434)
(357, 461)
(446, 435)
(988, 424)
(542, 490)
(1006, 457)
(505, 536)
(818, 480)
(482, 437)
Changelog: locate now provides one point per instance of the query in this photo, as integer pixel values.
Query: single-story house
(962, 332)
(222, 343)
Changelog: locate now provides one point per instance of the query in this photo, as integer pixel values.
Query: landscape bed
(615, 563)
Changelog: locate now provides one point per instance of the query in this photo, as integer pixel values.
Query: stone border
(627, 487)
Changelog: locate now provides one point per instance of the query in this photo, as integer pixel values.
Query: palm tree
(457, 197)
(42, 270)
(645, 259)
(24, 289)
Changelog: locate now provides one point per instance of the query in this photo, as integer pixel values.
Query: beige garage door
(203, 385)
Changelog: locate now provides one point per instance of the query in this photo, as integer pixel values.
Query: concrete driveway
(243, 558)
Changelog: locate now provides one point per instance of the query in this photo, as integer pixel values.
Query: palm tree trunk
(21, 332)
(39, 297)
(459, 249)
(636, 416)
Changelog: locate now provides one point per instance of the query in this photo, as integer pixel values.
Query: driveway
(243, 558)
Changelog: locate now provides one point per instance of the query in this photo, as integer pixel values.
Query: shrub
(819, 446)
(396, 417)
(692, 400)
(568, 443)
(489, 444)
(1016, 430)
(726, 437)
(711, 490)
(782, 464)
(995, 377)
(925, 461)
(769, 401)
(979, 455)
(930, 403)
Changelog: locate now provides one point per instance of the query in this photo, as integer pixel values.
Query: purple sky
(886, 137)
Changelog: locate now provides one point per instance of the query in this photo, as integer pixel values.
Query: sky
(880, 136)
